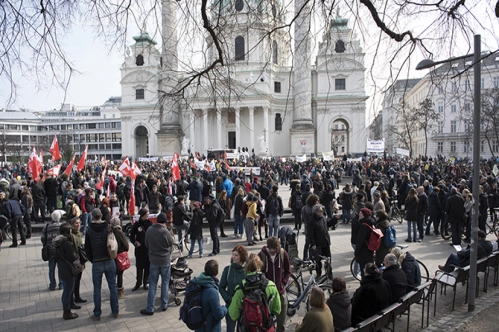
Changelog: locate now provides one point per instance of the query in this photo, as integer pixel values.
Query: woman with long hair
(411, 214)
(27, 202)
(122, 247)
(232, 276)
(319, 317)
(238, 218)
(77, 242)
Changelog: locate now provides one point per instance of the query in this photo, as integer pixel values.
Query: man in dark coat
(435, 209)
(14, 213)
(482, 208)
(318, 236)
(38, 194)
(395, 277)
(50, 186)
(362, 253)
(462, 258)
(454, 207)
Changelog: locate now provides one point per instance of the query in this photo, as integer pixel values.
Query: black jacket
(395, 277)
(65, 255)
(341, 308)
(455, 208)
(371, 297)
(362, 253)
(96, 242)
(434, 206)
(38, 194)
(179, 214)
(138, 234)
(411, 210)
(484, 250)
(317, 232)
(412, 271)
(196, 228)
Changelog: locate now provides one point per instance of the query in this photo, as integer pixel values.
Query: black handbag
(45, 253)
(83, 255)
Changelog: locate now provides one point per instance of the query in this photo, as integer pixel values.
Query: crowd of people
(427, 190)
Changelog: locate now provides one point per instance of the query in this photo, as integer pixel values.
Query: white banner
(354, 160)
(247, 170)
(140, 159)
(301, 159)
(403, 152)
(375, 146)
(328, 155)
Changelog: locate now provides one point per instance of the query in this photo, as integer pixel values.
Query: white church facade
(275, 101)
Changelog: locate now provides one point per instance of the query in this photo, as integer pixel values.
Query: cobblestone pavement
(26, 304)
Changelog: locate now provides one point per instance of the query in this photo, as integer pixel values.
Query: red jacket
(279, 270)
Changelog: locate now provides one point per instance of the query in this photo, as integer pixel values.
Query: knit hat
(143, 212)
(366, 212)
(162, 218)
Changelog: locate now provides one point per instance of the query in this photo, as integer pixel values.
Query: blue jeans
(347, 214)
(108, 268)
(273, 222)
(421, 226)
(191, 251)
(154, 272)
(435, 220)
(52, 265)
(297, 213)
(86, 220)
(412, 224)
(452, 260)
(179, 229)
(238, 225)
(67, 293)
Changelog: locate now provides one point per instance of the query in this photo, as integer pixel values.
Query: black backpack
(273, 206)
(120, 191)
(298, 202)
(191, 311)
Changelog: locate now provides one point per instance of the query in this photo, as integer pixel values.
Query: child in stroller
(179, 277)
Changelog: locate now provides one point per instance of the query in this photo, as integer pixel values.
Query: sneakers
(408, 240)
(420, 240)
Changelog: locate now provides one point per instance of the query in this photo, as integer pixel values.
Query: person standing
(411, 214)
(363, 255)
(196, 229)
(27, 202)
(274, 210)
(138, 239)
(77, 243)
(435, 210)
(422, 211)
(238, 218)
(251, 217)
(38, 194)
(87, 204)
(232, 276)
(214, 215)
(14, 213)
(276, 268)
(66, 255)
(49, 232)
(297, 205)
(159, 242)
(102, 264)
(122, 247)
(318, 237)
(454, 207)
(50, 186)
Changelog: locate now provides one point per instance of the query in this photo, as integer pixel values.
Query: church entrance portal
(141, 142)
(339, 137)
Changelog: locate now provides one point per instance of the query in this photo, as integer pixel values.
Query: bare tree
(490, 118)
(405, 128)
(426, 117)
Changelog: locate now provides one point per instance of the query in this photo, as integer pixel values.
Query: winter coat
(280, 207)
(96, 242)
(411, 210)
(159, 244)
(484, 250)
(341, 308)
(395, 277)
(232, 276)
(252, 280)
(434, 206)
(238, 204)
(210, 301)
(347, 200)
(317, 232)
(423, 204)
(371, 297)
(354, 225)
(38, 194)
(382, 250)
(195, 191)
(65, 255)
(454, 207)
(179, 214)
(196, 228)
(279, 270)
(362, 253)
(121, 239)
(412, 271)
(49, 232)
(138, 234)
(317, 320)
(252, 214)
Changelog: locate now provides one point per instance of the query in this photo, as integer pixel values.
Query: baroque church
(281, 100)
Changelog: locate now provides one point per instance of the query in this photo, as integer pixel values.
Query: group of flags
(35, 162)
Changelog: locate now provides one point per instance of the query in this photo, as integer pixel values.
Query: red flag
(131, 203)
(135, 170)
(175, 168)
(227, 165)
(34, 165)
(193, 165)
(103, 161)
(225, 155)
(70, 166)
(83, 159)
(55, 170)
(54, 150)
(124, 167)
(100, 185)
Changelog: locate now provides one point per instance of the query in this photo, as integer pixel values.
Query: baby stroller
(289, 242)
(180, 274)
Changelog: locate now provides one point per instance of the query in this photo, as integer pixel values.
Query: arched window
(139, 60)
(239, 43)
(239, 5)
(274, 52)
(340, 46)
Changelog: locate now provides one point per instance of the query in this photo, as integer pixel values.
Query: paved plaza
(26, 304)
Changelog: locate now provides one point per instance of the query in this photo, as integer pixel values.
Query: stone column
(251, 128)
(266, 128)
(192, 120)
(205, 131)
(219, 129)
(170, 132)
(303, 127)
(238, 127)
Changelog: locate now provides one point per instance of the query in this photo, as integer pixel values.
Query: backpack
(298, 202)
(374, 238)
(191, 311)
(120, 191)
(112, 244)
(273, 206)
(168, 203)
(255, 313)
(390, 238)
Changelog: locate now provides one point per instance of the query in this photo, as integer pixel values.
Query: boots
(121, 293)
(69, 315)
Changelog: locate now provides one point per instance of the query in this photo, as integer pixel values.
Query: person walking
(49, 232)
(251, 217)
(102, 264)
(274, 210)
(159, 243)
(196, 229)
(214, 215)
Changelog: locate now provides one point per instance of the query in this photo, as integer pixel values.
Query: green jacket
(231, 277)
(252, 280)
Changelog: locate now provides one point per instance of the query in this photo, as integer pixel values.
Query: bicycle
(424, 270)
(395, 213)
(295, 295)
(491, 224)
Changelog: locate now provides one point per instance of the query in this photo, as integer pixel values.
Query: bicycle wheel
(399, 216)
(424, 271)
(495, 228)
(293, 289)
(357, 275)
(446, 230)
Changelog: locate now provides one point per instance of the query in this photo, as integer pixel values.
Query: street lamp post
(476, 160)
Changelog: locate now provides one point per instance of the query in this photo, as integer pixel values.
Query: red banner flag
(55, 170)
(100, 185)
(131, 203)
(83, 159)
(34, 165)
(175, 168)
(124, 167)
(54, 150)
(70, 166)
(134, 170)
